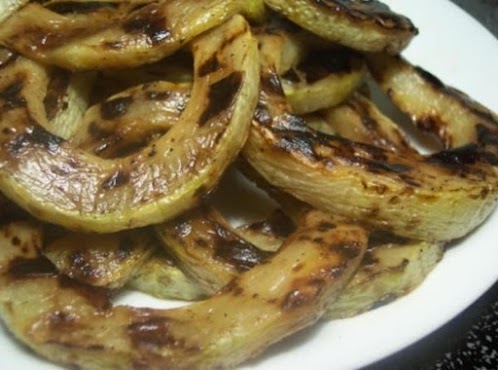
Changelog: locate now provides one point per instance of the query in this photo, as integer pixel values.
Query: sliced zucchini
(436, 198)
(58, 183)
(362, 25)
(108, 260)
(75, 325)
(116, 38)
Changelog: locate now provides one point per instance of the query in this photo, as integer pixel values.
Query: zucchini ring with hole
(435, 198)
(368, 26)
(108, 38)
(64, 320)
(58, 183)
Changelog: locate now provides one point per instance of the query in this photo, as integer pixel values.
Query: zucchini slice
(368, 26)
(61, 184)
(76, 325)
(435, 198)
(116, 38)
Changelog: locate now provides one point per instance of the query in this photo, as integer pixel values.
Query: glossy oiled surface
(465, 56)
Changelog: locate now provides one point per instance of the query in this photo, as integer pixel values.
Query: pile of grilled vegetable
(118, 121)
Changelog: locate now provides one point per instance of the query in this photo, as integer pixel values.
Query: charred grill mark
(221, 96)
(270, 82)
(278, 224)
(347, 249)
(321, 63)
(305, 292)
(126, 246)
(155, 332)
(262, 114)
(381, 237)
(383, 167)
(35, 135)
(24, 268)
(117, 179)
(55, 100)
(235, 251)
(96, 296)
(12, 97)
(115, 108)
(98, 131)
(150, 22)
(456, 158)
(370, 10)
(211, 65)
(296, 142)
(486, 136)
(295, 299)
(81, 267)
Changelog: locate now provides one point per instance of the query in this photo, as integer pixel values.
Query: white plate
(457, 49)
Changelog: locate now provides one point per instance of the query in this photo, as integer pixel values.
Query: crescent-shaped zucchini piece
(206, 248)
(323, 79)
(109, 136)
(109, 38)
(76, 325)
(439, 197)
(368, 26)
(61, 184)
(108, 260)
(358, 119)
(433, 106)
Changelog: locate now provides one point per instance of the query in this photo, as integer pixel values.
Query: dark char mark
(209, 66)
(486, 136)
(150, 22)
(221, 96)
(96, 296)
(237, 252)
(155, 332)
(12, 97)
(54, 100)
(35, 135)
(25, 268)
(115, 108)
(270, 82)
(462, 156)
(117, 179)
(380, 13)
(381, 237)
(321, 63)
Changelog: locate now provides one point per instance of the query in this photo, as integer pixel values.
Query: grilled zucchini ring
(434, 107)
(435, 198)
(109, 37)
(76, 325)
(368, 26)
(58, 183)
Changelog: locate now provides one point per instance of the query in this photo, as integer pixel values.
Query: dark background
(470, 341)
